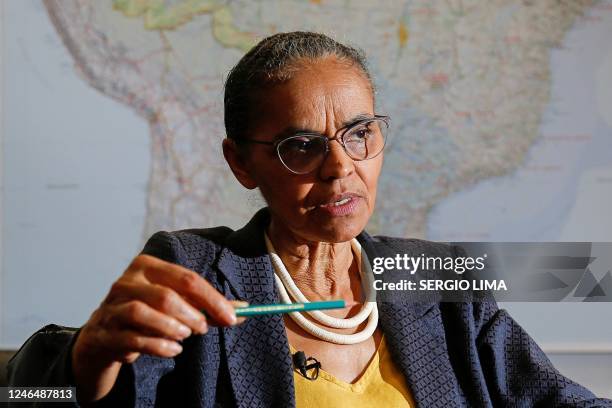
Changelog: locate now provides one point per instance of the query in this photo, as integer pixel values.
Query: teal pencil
(254, 310)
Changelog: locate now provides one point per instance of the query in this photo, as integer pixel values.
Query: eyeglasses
(303, 153)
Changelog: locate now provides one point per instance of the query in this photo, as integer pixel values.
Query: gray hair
(273, 61)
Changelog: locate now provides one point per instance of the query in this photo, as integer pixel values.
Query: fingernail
(192, 314)
(228, 312)
(232, 318)
(174, 347)
(184, 331)
(203, 327)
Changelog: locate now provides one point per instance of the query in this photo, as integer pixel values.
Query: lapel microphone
(301, 363)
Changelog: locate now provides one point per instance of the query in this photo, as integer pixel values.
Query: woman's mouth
(337, 203)
(340, 206)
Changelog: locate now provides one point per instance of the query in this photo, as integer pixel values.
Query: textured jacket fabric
(466, 354)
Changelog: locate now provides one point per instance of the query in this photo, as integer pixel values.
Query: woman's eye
(361, 133)
(300, 145)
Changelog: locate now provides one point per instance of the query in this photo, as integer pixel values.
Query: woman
(302, 127)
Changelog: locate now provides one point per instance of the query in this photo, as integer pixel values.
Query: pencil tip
(351, 303)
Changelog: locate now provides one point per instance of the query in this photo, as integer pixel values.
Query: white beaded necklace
(290, 293)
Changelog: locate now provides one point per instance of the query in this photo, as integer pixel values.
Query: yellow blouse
(381, 384)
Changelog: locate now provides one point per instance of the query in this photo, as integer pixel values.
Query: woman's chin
(338, 229)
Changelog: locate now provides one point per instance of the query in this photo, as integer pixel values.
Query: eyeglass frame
(338, 137)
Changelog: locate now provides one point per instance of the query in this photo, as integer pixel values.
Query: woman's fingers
(123, 344)
(149, 332)
(193, 287)
(149, 309)
(163, 299)
(142, 317)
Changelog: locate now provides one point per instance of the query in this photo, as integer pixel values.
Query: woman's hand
(149, 309)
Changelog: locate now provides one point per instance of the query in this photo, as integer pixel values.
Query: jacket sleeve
(45, 358)
(517, 371)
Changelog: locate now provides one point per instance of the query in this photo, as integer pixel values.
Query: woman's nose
(337, 163)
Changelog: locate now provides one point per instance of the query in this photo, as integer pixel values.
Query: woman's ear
(237, 163)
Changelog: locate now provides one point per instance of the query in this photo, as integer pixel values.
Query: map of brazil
(466, 85)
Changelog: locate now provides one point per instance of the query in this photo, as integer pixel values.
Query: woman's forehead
(321, 96)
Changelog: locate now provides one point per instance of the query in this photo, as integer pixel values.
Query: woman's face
(322, 97)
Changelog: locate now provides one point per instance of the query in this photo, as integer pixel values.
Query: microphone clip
(301, 363)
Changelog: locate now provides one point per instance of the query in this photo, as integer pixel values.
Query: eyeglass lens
(304, 153)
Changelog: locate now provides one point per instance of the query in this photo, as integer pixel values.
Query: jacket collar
(414, 331)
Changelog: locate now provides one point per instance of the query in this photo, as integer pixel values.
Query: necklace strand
(289, 293)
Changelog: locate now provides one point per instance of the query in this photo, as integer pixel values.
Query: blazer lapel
(257, 351)
(420, 351)
(415, 335)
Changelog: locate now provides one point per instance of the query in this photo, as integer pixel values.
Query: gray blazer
(452, 354)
